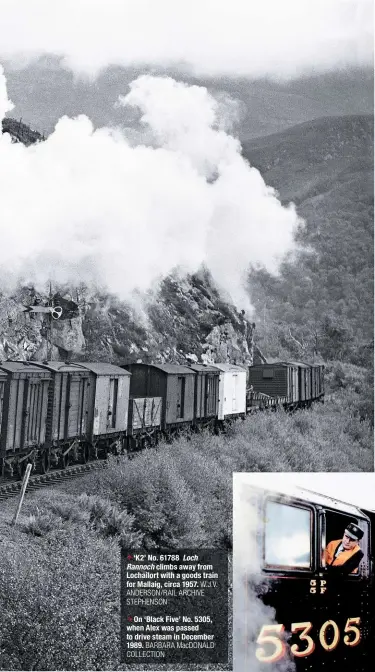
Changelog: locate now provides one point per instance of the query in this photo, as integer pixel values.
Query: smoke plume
(99, 207)
(249, 612)
(207, 37)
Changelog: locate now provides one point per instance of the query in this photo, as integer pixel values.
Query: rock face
(186, 320)
(29, 335)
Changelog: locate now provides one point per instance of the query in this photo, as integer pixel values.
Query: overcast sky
(248, 37)
(357, 488)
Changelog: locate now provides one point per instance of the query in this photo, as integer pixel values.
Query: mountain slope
(323, 300)
(306, 156)
(43, 91)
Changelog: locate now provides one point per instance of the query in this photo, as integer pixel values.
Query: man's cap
(354, 532)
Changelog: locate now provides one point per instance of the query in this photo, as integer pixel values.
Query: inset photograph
(303, 591)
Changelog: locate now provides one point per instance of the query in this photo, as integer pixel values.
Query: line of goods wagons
(57, 413)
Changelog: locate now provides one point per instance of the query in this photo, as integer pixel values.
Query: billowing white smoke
(87, 205)
(249, 612)
(255, 38)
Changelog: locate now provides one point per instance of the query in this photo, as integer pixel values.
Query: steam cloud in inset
(95, 206)
(256, 38)
(249, 612)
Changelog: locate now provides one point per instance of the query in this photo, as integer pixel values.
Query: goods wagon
(3, 380)
(56, 413)
(317, 381)
(232, 391)
(173, 383)
(67, 414)
(24, 411)
(304, 382)
(144, 421)
(108, 403)
(279, 379)
(206, 392)
(323, 614)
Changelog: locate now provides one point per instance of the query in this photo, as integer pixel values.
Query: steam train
(322, 619)
(53, 414)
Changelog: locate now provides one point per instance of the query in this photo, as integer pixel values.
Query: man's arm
(349, 566)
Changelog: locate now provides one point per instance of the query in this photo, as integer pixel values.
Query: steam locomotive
(323, 620)
(53, 414)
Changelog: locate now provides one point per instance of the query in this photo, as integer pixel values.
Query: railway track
(11, 488)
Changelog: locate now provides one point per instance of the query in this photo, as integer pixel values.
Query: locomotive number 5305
(272, 635)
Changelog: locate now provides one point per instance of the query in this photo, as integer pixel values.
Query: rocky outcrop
(28, 334)
(186, 320)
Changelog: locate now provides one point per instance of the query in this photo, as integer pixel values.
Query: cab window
(287, 541)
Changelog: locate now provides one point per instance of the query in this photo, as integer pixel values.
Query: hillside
(322, 303)
(43, 91)
(314, 156)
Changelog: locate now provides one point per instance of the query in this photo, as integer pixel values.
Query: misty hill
(323, 300)
(314, 156)
(43, 91)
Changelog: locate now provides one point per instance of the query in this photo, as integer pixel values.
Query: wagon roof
(270, 365)
(274, 364)
(60, 367)
(172, 368)
(102, 368)
(204, 367)
(18, 367)
(302, 364)
(229, 367)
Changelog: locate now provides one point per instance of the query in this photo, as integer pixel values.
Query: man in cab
(343, 556)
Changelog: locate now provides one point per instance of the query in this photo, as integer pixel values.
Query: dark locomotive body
(327, 619)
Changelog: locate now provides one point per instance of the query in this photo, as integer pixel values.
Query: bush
(109, 521)
(59, 603)
(40, 524)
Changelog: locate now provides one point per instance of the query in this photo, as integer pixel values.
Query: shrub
(59, 603)
(109, 521)
(39, 524)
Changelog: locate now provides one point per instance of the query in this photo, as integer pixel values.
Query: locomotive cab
(322, 613)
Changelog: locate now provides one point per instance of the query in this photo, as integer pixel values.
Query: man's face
(348, 543)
